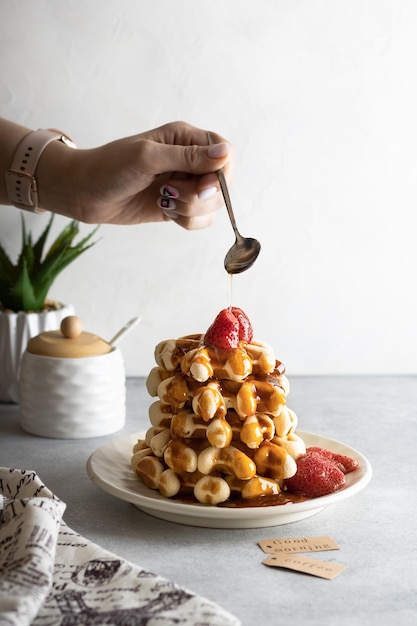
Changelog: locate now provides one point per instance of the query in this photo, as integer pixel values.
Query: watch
(21, 185)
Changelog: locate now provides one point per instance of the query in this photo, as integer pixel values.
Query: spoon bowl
(242, 255)
(244, 252)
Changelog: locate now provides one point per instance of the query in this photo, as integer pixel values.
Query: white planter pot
(72, 398)
(15, 331)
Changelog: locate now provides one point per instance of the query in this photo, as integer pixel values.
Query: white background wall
(319, 99)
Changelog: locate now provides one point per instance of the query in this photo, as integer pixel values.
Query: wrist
(21, 178)
(55, 178)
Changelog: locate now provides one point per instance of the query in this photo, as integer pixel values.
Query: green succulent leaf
(23, 292)
(25, 285)
(40, 244)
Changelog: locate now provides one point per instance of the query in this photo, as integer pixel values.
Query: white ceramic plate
(109, 467)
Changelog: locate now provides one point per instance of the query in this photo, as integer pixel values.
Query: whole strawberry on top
(231, 326)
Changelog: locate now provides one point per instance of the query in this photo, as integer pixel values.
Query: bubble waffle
(220, 428)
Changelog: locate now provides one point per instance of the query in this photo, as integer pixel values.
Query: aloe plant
(24, 286)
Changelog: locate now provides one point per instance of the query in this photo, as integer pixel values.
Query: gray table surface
(375, 529)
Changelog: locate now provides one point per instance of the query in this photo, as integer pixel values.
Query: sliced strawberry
(224, 331)
(245, 327)
(345, 463)
(315, 476)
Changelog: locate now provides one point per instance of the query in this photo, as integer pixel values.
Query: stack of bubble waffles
(221, 428)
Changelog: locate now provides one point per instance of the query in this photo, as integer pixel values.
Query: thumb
(190, 159)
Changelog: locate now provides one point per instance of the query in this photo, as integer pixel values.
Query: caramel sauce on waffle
(221, 433)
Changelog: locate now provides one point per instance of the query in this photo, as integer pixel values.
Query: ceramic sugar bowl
(72, 384)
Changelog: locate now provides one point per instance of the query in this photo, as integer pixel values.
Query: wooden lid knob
(71, 327)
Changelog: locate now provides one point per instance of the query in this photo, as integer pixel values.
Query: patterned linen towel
(51, 576)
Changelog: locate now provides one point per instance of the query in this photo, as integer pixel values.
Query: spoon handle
(123, 331)
(225, 192)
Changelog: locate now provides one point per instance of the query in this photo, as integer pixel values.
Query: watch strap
(21, 185)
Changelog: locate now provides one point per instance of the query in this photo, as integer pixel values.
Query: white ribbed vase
(72, 398)
(15, 331)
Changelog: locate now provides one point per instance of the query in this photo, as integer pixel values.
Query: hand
(168, 173)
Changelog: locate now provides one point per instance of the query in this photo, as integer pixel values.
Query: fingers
(180, 155)
(191, 202)
(191, 191)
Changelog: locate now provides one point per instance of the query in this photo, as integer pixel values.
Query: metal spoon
(244, 252)
(124, 330)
